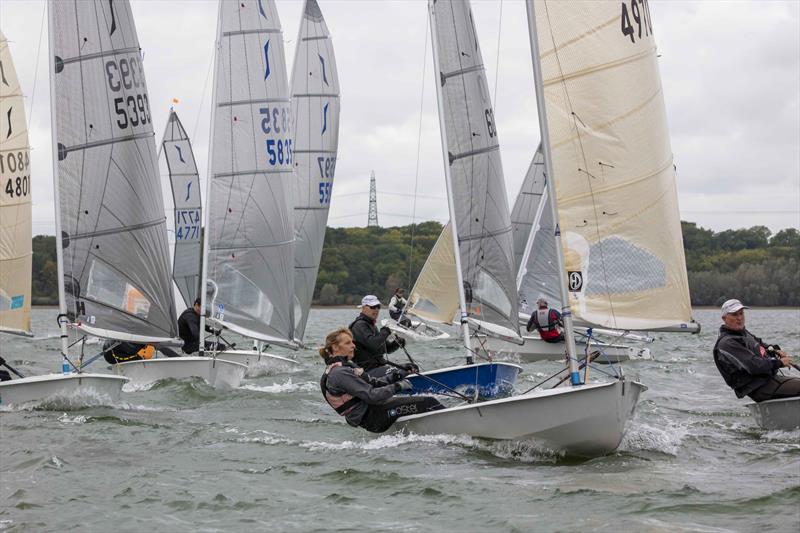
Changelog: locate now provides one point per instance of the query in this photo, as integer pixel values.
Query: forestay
(15, 202)
(534, 240)
(113, 232)
(612, 164)
(434, 296)
(477, 187)
(250, 227)
(185, 184)
(315, 108)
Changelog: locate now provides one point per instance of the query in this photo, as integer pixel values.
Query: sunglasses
(374, 306)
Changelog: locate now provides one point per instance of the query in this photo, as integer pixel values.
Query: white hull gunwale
(414, 334)
(535, 350)
(256, 362)
(783, 414)
(73, 388)
(218, 373)
(585, 421)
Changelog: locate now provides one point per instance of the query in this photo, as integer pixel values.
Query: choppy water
(273, 456)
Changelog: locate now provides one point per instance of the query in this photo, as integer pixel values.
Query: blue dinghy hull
(493, 380)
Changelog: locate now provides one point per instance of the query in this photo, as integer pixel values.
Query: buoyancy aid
(343, 403)
(120, 352)
(550, 329)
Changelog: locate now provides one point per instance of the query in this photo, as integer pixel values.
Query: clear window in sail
(489, 291)
(108, 286)
(244, 295)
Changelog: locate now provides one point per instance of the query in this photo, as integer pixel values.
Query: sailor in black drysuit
(372, 343)
(363, 400)
(189, 330)
(748, 365)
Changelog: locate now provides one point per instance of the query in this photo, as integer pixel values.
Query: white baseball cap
(370, 300)
(731, 306)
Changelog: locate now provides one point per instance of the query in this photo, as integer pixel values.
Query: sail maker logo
(575, 280)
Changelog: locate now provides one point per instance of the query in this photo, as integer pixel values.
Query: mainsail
(476, 188)
(185, 184)
(612, 164)
(109, 210)
(250, 226)
(315, 108)
(534, 240)
(15, 202)
(434, 296)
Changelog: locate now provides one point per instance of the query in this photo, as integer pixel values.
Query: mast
(62, 301)
(450, 204)
(210, 175)
(566, 311)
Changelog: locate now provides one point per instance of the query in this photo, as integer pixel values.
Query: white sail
(612, 164)
(315, 109)
(114, 255)
(476, 188)
(250, 229)
(185, 185)
(434, 296)
(534, 240)
(15, 202)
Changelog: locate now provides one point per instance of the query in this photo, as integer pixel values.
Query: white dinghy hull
(535, 350)
(219, 374)
(256, 362)
(419, 332)
(777, 414)
(71, 387)
(585, 421)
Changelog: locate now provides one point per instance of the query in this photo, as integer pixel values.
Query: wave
(287, 386)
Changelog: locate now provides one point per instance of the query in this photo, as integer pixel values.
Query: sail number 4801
(640, 13)
(16, 162)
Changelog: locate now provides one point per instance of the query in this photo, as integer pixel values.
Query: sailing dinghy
(782, 414)
(534, 257)
(480, 287)
(248, 264)
(580, 59)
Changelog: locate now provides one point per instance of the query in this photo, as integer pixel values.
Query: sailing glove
(403, 385)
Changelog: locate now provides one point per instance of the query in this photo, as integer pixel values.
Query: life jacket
(127, 351)
(343, 403)
(550, 330)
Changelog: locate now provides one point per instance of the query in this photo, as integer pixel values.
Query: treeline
(752, 264)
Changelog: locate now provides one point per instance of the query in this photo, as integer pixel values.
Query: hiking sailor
(363, 400)
(546, 321)
(749, 365)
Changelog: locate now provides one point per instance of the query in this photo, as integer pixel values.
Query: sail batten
(113, 252)
(315, 108)
(613, 166)
(16, 252)
(249, 217)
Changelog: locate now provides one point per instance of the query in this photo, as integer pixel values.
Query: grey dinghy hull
(586, 421)
(535, 349)
(777, 414)
(219, 374)
(256, 362)
(70, 387)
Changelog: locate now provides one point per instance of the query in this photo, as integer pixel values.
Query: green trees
(748, 263)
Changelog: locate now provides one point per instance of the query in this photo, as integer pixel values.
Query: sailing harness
(341, 403)
(549, 317)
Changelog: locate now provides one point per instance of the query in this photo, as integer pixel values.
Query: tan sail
(612, 164)
(435, 294)
(15, 202)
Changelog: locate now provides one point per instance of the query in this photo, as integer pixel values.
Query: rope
(36, 68)
(497, 59)
(203, 98)
(419, 148)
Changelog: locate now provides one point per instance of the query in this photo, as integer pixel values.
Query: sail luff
(250, 224)
(115, 262)
(315, 111)
(16, 252)
(566, 312)
(482, 226)
(187, 207)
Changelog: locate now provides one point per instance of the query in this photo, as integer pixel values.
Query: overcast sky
(730, 70)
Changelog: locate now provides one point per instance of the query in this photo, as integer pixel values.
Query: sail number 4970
(640, 13)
